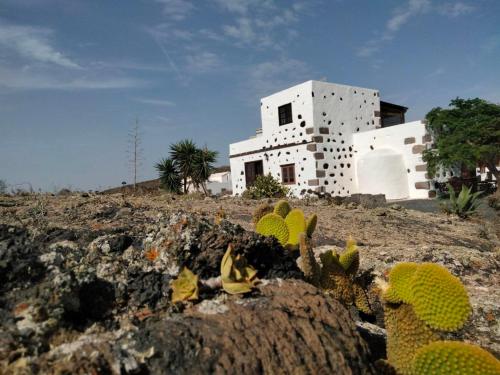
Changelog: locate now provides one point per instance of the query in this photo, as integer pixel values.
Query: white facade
(218, 183)
(335, 144)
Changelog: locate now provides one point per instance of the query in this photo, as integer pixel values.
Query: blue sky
(74, 75)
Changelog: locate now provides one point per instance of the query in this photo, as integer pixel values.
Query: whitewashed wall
(339, 112)
(407, 140)
(274, 136)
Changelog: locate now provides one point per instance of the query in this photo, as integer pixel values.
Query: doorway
(252, 170)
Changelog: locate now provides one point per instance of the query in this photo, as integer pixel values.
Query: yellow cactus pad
(236, 275)
(282, 208)
(454, 358)
(185, 287)
(311, 224)
(405, 334)
(400, 282)
(439, 298)
(260, 211)
(349, 259)
(273, 225)
(296, 224)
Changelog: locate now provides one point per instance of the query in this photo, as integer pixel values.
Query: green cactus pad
(296, 224)
(400, 282)
(405, 334)
(273, 225)
(311, 224)
(439, 298)
(260, 211)
(454, 358)
(349, 259)
(282, 208)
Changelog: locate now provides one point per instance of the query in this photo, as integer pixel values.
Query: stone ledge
(418, 149)
(410, 140)
(421, 168)
(422, 185)
(314, 182)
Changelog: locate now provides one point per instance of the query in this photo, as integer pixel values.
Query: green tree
(204, 160)
(169, 176)
(465, 135)
(183, 156)
(187, 165)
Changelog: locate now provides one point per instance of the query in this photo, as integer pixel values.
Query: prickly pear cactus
(333, 277)
(273, 225)
(271, 221)
(454, 358)
(421, 301)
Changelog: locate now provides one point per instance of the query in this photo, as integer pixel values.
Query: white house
(218, 183)
(334, 138)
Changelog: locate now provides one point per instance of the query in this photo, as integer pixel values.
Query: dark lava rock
(199, 244)
(291, 327)
(97, 302)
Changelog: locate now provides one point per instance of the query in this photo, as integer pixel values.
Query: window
(285, 114)
(288, 174)
(252, 170)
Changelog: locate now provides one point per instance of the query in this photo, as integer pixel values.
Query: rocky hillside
(84, 285)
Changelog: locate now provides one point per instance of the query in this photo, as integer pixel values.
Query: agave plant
(463, 205)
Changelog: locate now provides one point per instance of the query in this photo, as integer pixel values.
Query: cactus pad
(282, 208)
(400, 282)
(273, 225)
(405, 334)
(260, 211)
(311, 224)
(349, 259)
(454, 358)
(439, 298)
(296, 224)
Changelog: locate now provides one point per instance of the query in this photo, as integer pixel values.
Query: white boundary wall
(407, 140)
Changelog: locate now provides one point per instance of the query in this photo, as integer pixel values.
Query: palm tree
(183, 156)
(203, 167)
(169, 176)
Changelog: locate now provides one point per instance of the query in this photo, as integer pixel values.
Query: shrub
(463, 205)
(266, 186)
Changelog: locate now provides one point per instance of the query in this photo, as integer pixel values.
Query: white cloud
(455, 9)
(157, 102)
(27, 80)
(242, 31)
(34, 44)
(260, 23)
(271, 76)
(176, 9)
(404, 14)
(202, 62)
